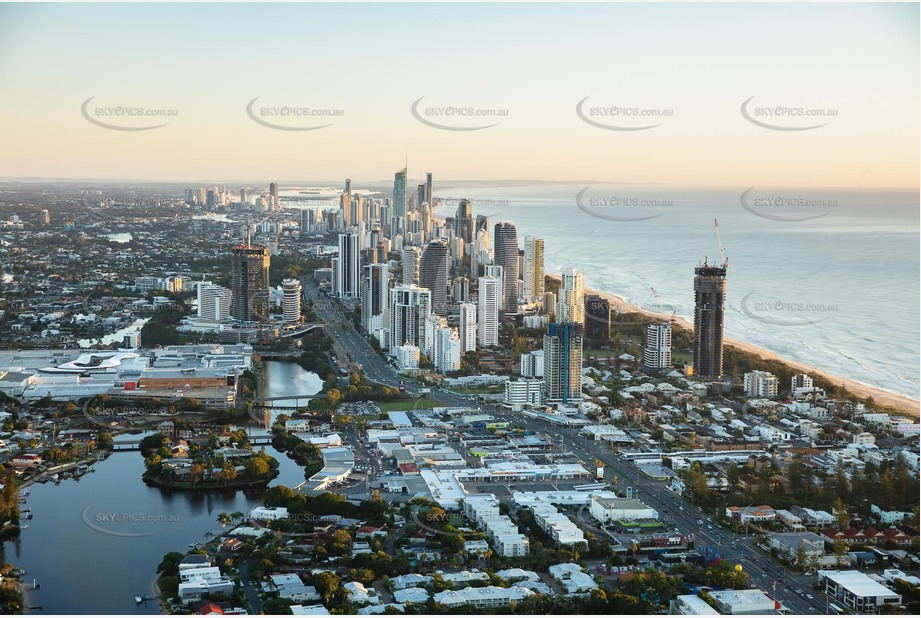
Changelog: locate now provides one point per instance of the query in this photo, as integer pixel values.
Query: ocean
(826, 277)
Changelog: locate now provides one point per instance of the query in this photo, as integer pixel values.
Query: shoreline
(903, 404)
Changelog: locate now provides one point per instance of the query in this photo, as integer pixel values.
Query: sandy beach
(903, 404)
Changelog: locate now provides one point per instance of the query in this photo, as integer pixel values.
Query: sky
(66, 69)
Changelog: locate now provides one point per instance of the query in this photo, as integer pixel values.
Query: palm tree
(237, 516)
(223, 519)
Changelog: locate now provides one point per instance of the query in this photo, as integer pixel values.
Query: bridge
(302, 329)
(260, 401)
(135, 445)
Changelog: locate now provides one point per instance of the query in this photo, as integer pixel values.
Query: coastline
(882, 397)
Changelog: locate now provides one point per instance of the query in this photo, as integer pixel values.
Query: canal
(94, 543)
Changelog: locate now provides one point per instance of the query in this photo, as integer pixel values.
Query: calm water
(95, 543)
(839, 291)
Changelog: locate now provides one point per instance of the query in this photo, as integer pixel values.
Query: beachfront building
(709, 307)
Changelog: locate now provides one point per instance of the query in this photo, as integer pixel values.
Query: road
(375, 368)
(790, 588)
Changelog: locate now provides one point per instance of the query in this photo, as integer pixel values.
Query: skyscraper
(467, 327)
(347, 271)
(563, 363)
(291, 300)
(571, 299)
(463, 221)
(488, 294)
(429, 189)
(273, 193)
(505, 254)
(410, 305)
(709, 306)
(533, 267)
(375, 296)
(345, 205)
(411, 257)
(399, 194)
(433, 274)
(249, 282)
(213, 301)
(447, 353)
(658, 352)
(597, 318)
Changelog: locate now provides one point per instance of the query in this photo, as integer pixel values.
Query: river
(95, 543)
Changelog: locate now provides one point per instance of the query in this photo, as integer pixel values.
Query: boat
(193, 545)
(138, 599)
(24, 527)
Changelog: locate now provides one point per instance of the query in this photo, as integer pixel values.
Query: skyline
(208, 63)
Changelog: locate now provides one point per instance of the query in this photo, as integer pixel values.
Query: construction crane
(719, 243)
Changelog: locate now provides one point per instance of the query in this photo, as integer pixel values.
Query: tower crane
(719, 244)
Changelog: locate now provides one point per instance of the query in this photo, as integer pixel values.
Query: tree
(196, 473)
(840, 511)
(223, 519)
(799, 557)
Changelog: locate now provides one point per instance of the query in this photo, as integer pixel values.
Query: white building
(607, 507)
(557, 526)
(658, 352)
(410, 258)
(488, 311)
(213, 301)
(572, 578)
(532, 364)
(447, 353)
(761, 384)
(482, 598)
(196, 583)
(752, 601)
(410, 305)
(467, 327)
(523, 393)
(407, 357)
(291, 305)
(268, 513)
(859, 593)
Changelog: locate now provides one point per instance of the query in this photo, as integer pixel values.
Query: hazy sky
(536, 61)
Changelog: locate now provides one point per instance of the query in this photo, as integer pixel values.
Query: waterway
(94, 543)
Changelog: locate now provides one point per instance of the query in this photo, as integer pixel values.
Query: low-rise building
(752, 601)
(607, 507)
(857, 591)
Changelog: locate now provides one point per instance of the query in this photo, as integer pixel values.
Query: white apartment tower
(488, 295)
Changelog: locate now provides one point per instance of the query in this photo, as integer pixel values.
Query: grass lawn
(401, 405)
